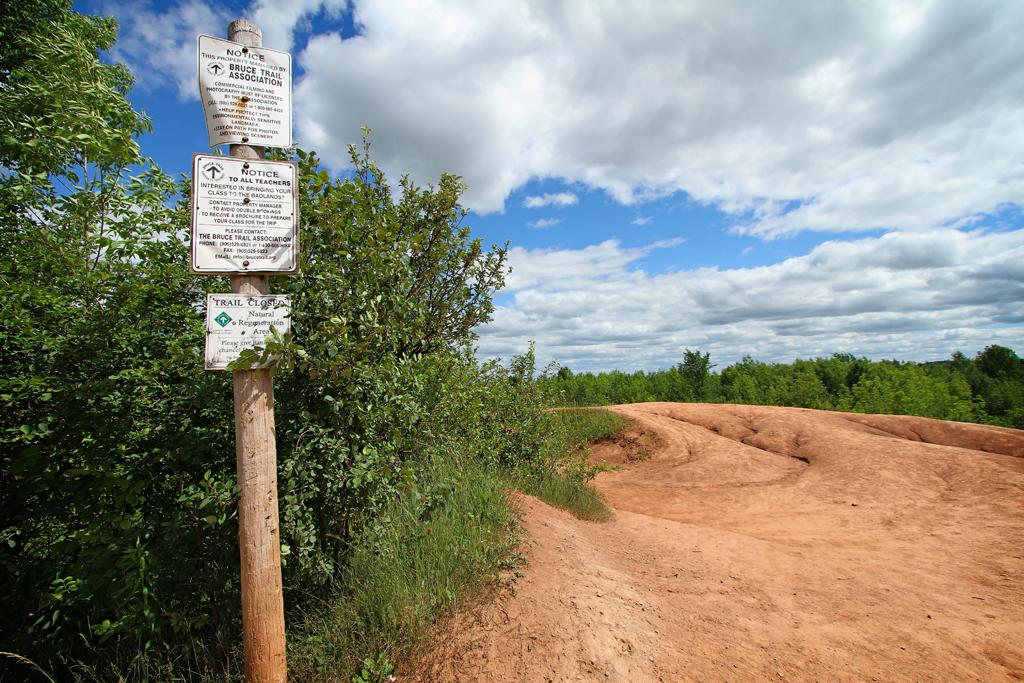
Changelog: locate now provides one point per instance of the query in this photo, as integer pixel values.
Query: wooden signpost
(248, 231)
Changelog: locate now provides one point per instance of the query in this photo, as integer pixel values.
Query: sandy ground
(760, 543)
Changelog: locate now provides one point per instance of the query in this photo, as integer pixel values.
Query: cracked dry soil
(762, 543)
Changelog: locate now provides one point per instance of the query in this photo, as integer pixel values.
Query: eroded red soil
(761, 543)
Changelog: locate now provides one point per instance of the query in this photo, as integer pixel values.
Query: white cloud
(564, 268)
(160, 47)
(278, 19)
(824, 116)
(905, 295)
(561, 199)
(542, 223)
(640, 220)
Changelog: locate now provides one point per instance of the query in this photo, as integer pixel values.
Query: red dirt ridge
(760, 543)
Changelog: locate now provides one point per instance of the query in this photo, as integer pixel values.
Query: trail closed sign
(245, 216)
(246, 93)
(236, 322)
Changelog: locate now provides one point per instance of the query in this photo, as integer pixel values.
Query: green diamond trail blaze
(223, 319)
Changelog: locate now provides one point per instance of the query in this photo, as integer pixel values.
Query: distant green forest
(988, 388)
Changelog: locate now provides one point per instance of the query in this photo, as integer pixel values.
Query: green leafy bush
(116, 448)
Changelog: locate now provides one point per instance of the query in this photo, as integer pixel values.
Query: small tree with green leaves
(695, 370)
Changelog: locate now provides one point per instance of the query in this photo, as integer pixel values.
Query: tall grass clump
(578, 427)
(562, 475)
(437, 545)
(568, 490)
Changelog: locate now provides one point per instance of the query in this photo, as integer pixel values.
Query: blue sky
(840, 176)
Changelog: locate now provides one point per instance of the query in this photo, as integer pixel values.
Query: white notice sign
(244, 216)
(246, 93)
(235, 322)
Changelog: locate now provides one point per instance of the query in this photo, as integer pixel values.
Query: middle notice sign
(245, 216)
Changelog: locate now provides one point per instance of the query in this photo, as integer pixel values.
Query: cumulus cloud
(825, 116)
(542, 223)
(160, 46)
(560, 199)
(905, 295)
(640, 220)
(890, 114)
(278, 19)
(552, 269)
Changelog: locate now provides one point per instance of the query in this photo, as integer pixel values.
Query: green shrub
(118, 536)
(437, 544)
(576, 427)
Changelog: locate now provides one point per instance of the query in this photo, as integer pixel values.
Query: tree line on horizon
(987, 389)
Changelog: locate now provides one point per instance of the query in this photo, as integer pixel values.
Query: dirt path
(771, 544)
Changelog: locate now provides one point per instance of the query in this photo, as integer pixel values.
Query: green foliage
(112, 471)
(20, 23)
(118, 538)
(120, 517)
(695, 369)
(567, 488)
(989, 388)
(451, 530)
(99, 333)
(438, 543)
(576, 428)
(389, 294)
(562, 477)
(65, 125)
(375, 670)
(999, 362)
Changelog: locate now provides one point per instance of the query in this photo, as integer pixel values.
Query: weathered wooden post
(245, 224)
(259, 537)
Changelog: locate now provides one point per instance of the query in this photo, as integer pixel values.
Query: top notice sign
(246, 93)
